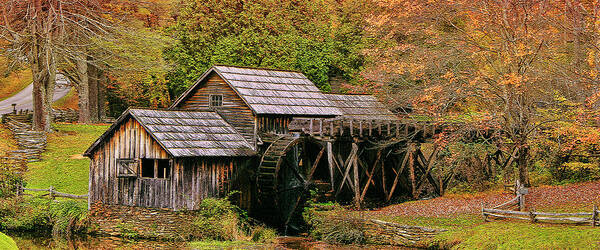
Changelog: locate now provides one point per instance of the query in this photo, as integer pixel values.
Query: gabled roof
(361, 107)
(268, 91)
(186, 133)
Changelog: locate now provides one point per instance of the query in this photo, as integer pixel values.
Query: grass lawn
(7, 242)
(212, 244)
(71, 100)
(62, 164)
(13, 82)
(471, 232)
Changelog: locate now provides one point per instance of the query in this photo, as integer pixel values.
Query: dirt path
(579, 196)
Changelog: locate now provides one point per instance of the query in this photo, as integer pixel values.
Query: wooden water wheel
(285, 175)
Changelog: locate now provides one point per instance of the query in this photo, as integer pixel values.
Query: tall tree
(319, 38)
(44, 32)
(491, 61)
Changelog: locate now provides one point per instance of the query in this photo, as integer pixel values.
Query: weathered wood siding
(234, 109)
(190, 181)
(199, 178)
(277, 124)
(129, 141)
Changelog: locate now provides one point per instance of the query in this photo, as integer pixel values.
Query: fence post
(485, 217)
(532, 215)
(51, 192)
(594, 216)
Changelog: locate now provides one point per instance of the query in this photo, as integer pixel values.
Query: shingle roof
(361, 107)
(274, 91)
(188, 133)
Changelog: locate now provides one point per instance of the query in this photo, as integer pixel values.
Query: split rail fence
(52, 193)
(500, 211)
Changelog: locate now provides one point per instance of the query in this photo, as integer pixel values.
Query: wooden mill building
(270, 134)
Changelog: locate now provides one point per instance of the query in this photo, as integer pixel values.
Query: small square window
(156, 168)
(216, 100)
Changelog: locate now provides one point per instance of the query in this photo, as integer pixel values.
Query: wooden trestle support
(347, 160)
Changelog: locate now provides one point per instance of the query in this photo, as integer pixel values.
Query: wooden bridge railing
(363, 127)
(52, 193)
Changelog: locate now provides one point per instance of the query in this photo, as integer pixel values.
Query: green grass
(471, 232)
(68, 101)
(7, 242)
(62, 165)
(514, 235)
(12, 82)
(212, 244)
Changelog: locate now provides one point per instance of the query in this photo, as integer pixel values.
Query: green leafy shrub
(218, 219)
(325, 224)
(68, 217)
(10, 179)
(263, 234)
(42, 215)
(20, 214)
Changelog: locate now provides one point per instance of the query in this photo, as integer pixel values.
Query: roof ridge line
(259, 68)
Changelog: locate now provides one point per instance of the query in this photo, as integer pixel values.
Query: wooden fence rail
(51, 192)
(533, 216)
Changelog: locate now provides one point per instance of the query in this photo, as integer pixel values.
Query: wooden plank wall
(234, 109)
(129, 141)
(195, 179)
(273, 124)
(192, 179)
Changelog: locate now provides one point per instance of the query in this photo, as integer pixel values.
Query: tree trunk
(43, 69)
(83, 91)
(93, 78)
(522, 162)
(102, 83)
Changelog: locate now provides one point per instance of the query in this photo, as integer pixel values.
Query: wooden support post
(356, 180)
(331, 128)
(379, 127)
(388, 128)
(428, 163)
(406, 129)
(51, 190)
(360, 128)
(397, 129)
(532, 215)
(348, 165)
(411, 170)
(341, 127)
(311, 127)
(485, 217)
(370, 127)
(330, 161)
(594, 216)
(383, 183)
(399, 172)
(321, 127)
(351, 128)
(375, 165)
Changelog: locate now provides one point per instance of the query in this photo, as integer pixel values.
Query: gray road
(24, 100)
